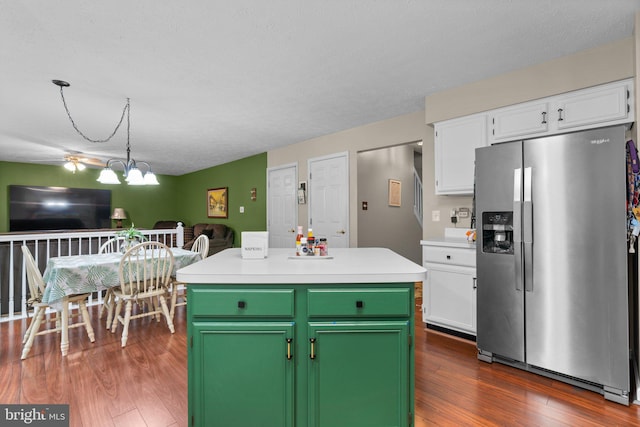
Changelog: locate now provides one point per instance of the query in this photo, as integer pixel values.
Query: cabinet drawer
(447, 255)
(241, 302)
(359, 302)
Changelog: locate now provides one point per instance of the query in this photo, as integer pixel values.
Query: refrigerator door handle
(517, 253)
(527, 231)
(517, 228)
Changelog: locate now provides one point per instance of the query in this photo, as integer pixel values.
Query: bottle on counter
(324, 248)
(304, 250)
(311, 241)
(299, 236)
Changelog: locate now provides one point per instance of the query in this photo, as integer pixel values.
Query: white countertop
(453, 238)
(347, 265)
(451, 243)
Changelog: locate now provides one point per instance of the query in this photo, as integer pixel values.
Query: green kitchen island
(301, 341)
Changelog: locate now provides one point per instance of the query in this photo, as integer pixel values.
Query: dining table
(80, 274)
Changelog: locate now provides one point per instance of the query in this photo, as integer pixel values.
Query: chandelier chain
(124, 110)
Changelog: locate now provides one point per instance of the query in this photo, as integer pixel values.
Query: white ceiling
(212, 81)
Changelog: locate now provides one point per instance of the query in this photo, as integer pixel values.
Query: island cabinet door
(243, 374)
(359, 374)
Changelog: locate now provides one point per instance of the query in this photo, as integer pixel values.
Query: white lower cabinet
(449, 293)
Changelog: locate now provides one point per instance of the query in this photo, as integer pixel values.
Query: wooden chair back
(34, 277)
(201, 245)
(146, 267)
(110, 246)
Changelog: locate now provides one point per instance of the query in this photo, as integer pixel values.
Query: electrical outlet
(435, 216)
(463, 213)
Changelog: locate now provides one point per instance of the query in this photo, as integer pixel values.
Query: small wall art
(217, 202)
(395, 192)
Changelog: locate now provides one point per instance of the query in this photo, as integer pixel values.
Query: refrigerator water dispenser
(497, 232)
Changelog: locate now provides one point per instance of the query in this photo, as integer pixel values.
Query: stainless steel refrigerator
(552, 288)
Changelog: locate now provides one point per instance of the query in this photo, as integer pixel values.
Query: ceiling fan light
(80, 166)
(134, 177)
(150, 179)
(70, 166)
(107, 176)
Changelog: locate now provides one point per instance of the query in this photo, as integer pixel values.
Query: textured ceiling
(212, 81)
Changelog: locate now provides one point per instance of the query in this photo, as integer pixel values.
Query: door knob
(341, 232)
(292, 231)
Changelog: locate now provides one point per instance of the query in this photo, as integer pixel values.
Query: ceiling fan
(78, 162)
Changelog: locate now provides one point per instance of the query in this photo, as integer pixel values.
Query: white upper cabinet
(608, 104)
(455, 144)
(514, 122)
(456, 139)
(602, 105)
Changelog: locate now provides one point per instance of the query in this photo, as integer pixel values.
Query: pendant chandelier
(131, 173)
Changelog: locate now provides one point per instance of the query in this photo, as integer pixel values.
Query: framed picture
(395, 192)
(218, 202)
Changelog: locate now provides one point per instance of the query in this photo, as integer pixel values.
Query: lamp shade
(118, 213)
(108, 176)
(134, 176)
(150, 179)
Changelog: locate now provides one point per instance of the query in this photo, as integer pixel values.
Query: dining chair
(110, 246)
(145, 272)
(201, 246)
(61, 317)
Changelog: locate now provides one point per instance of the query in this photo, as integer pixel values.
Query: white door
(282, 206)
(329, 199)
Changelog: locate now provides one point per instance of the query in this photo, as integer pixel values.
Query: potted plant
(131, 236)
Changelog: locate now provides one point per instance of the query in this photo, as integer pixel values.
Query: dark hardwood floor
(145, 384)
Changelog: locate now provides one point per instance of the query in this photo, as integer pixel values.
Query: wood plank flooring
(145, 384)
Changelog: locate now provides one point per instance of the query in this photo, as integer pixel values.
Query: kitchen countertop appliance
(553, 289)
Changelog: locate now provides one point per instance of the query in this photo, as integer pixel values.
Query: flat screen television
(33, 208)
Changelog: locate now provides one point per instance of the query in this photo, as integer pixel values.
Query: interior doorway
(383, 220)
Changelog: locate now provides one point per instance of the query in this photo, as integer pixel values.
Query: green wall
(240, 177)
(177, 197)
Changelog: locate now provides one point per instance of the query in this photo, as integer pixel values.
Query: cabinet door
(243, 374)
(603, 104)
(359, 374)
(455, 145)
(449, 298)
(517, 122)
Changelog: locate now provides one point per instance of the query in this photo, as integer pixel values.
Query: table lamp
(118, 215)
